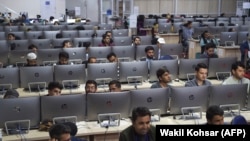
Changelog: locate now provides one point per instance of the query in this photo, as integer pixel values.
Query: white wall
(31, 6)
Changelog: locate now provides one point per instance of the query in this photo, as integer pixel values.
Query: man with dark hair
(109, 33)
(141, 129)
(54, 88)
(150, 52)
(73, 132)
(90, 86)
(164, 78)
(200, 78)
(237, 77)
(209, 51)
(136, 41)
(63, 58)
(67, 44)
(115, 86)
(11, 93)
(214, 115)
(112, 57)
(59, 132)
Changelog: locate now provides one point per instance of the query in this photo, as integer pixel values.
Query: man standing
(141, 129)
(200, 78)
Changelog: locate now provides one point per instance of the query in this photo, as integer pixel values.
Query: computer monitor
(23, 108)
(99, 52)
(146, 40)
(63, 106)
(149, 22)
(43, 28)
(76, 53)
(172, 49)
(34, 35)
(122, 41)
(4, 58)
(183, 97)
(58, 43)
(97, 41)
(4, 45)
(73, 74)
(31, 76)
(220, 65)
(9, 77)
(124, 52)
(216, 30)
(228, 36)
(228, 94)
(51, 34)
(20, 44)
(133, 70)
(242, 36)
(209, 23)
(109, 102)
(48, 55)
(18, 56)
(198, 31)
(244, 28)
(88, 27)
(140, 51)
(151, 98)
(120, 32)
(71, 26)
(11, 28)
(177, 26)
(58, 27)
(41, 43)
(162, 20)
(101, 32)
(82, 42)
(105, 26)
(70, 34)
(102, 71)
(18, 34)
(164, 27)
(85, 33)
(188, 66)
(171, 65)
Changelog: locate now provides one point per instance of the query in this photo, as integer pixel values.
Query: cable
(105, 134)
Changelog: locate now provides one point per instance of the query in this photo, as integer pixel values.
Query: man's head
(31, 59)
(92, 60)
(163, 75)
(137, 40)
(11, 93)
(149, 50)
(11, 36)
(54, 88)
(238, 70)
(201, 71)
(33, 48)
(67, 44)
(215, 115)
(112, 57)
(109, 33)
(210, 48)
(114, 86)
(141, 117)
(90, 86)
(106, 39)
(60, 132)
(63, 58)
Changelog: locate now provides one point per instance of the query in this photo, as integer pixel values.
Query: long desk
(233, 51)
(171, 38)
(93, 132)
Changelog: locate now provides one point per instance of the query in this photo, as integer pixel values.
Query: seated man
(67, 44)
(200, 78)
(90, 86)
(209, 51)
(33, 48)
(115, 86)
(141, 129)
(54, 89)
(150, 52)
(31, 60)
(136, 41)
(112, 57)
(214, 115)
(164, 78)
(63, 58)
(60, 132)
(11, 93)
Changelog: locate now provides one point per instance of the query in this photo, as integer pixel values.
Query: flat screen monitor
(47, 55)
(63, 106)
(122, 41)
(151, 98)
(105, 26)
(23, 108)
(20, 44)
(11, 28)
(71, 27)
(133, 69)
(85, 33)
(220, 65)
(182, 97)
(76, 53)
(101, 32)
(172, 49)
(36, 74)
(236, 28)
(58, 27)
(177, 26)
(51, 34)
(120, 33)
(4, 46)
(188, 66)
(216, 30)
(242, 36)
(99, 52)
(18, 56)
(243, 28)
(97, 41)
(58, 43)
(146, 40)
(76, 73)
(212, 23)
(103, 103)
(228, 36)
(70, 34)
(43, 27)
(149, 22)
(102, 70)
(171, 65)
(228, 94)
(163, 20)
(140, 51)
(9, 76)
(124, 52)
(82, 42)
(164, 28)
(88, 27)
(41, 43)
(4, 58)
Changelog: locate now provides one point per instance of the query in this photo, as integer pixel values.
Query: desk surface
(229, 47)
(93, 128)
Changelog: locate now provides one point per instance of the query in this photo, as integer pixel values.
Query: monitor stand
(72, 119)
(109, 119)
(191, 111)
(17, 127)
(135, 80)
(37, 86)
(230, 109)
